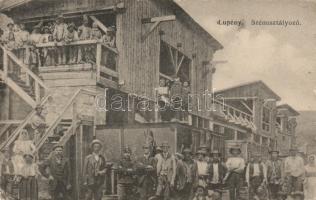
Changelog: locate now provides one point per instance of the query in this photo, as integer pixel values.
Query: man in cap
(94, 170)
(126, 176)
(216, 171)
(202, 168)
(146, 174)
(235, 170)
(38, 123)
(274, 174)
(71, 35)
(166, 172)
(191, 171)
(84, 33)
(7, 171)
(294, 171)
(59, 171)
(59, 33)
(255, 176)
(205, 148)
(9, 36)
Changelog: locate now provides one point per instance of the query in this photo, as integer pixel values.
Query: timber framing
(156, 21)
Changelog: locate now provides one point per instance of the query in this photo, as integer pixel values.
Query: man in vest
(94, 171)
(235, 170)
(274, 174)
(146, 176)
(126, 176)
(59, 35)
(255, 176)
(166, 172)
(191, 172)
(216, 171)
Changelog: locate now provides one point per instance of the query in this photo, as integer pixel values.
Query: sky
(283, 57)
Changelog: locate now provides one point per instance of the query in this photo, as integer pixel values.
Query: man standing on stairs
(94, 170)
(59, 171)
(38, 123)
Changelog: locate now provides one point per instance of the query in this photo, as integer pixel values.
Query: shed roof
(291, 111)
(247, 85)
(6, 5)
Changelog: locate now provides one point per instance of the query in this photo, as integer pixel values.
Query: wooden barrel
(110, 197)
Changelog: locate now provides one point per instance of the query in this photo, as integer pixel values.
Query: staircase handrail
(60, 115)
(25, 122)
(24, 67)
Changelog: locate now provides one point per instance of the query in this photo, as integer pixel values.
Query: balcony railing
(79, 55)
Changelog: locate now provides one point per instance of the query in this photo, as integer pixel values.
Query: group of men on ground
(186, 176)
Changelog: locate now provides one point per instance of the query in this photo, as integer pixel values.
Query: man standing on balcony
(235, 170)
(71, 51)
(84, 33)
(274, 174)
(59, 35)
(59, 171)
(94, 172)
(166, 171)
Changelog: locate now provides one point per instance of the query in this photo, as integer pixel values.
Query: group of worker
(25, 44)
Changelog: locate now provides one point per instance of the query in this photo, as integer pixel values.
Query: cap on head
(58, 146)
(201, 152)
(28, 155)
(235, 148)
(127, 149)
(187, 151)
(165, 144)
(95, 141)
(61, 16)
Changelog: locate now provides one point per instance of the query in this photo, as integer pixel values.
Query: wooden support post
(99, 23)
(5, 64)
(180, 63)
(156, 21)
(74, 117)
(98, 61)
(37, 93)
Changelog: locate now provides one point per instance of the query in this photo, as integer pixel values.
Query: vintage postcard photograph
(157, 99)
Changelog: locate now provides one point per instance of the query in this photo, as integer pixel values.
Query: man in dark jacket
(146, 174)
(94, 171)
(59, 171)
(216, 171)
(126, 176)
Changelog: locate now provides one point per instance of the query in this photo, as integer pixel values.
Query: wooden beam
(150, 30)
(248, 108)
(180, 63)
(171, 55)
(99, 23)
(10, 122)
(159, 19)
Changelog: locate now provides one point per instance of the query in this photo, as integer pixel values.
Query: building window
(229, 134)
(266, 119)
(241, 135)
(257, 138)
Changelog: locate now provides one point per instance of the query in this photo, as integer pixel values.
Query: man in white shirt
(235, 166)
(202, 168)
(294, 171)
(255, 176)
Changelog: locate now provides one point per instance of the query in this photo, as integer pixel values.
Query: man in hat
(166, 172)
(202, 168)
(94, 170)
(235, 170)
(38, 123)
(59, 174)
(126, 176)
(7, 171)
(84, 33)
(71, 35)
(294, 171)
(180, 179)
(59, 35)
(205, 148)
(216, 171)
(146, 176)
(191, 172)
(9, 36)
(255, 176)
(274, 174)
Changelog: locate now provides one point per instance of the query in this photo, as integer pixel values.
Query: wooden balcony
(78, 58)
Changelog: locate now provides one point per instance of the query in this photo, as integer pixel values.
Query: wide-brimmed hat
(165, 144)
(58, 146)
(201, 151)
(95, 141)
(10, 24)
(215, 152)
(187, 151)
(28, 155)
(231, 149)
(297, 194)
(145, 146)
(204, 146)
(60, 16)
(127, 149)
(274, 151)
(158, 148)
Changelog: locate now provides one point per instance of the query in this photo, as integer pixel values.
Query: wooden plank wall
(139, 60)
